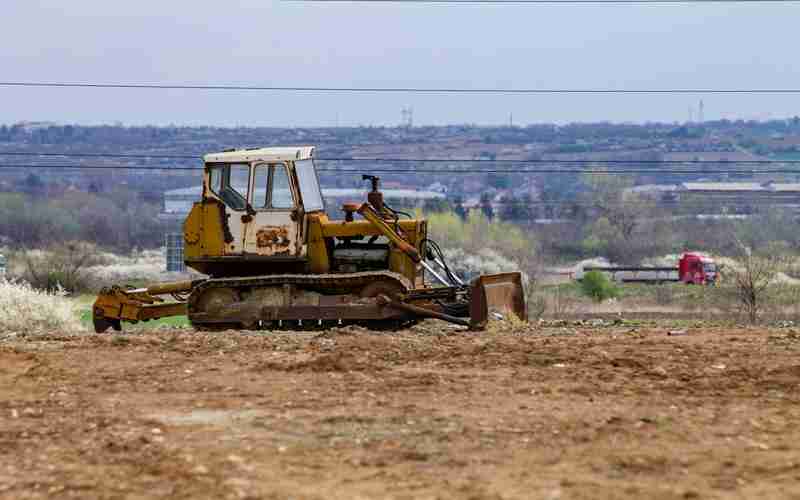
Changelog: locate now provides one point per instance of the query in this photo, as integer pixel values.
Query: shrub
(117, 219)
(469, 265)
(536, 305)
(480, 246)
(598, 287)
(562, 301)
(26, 310)
(62, 267)
(753, 279)
(478, 232)
(664, 295)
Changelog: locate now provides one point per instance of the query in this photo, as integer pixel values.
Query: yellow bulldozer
(275, 260)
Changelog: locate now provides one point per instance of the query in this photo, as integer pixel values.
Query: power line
(407, 90)
(428, 171)
(101, 155)
(560, 161)
(691, 201)
(564, 171)
(423, 160)
(550, 2)
(765, 198)
(95, 167)
(652, 203)
(794, 201)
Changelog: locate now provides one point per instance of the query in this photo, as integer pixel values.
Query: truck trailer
(693, 268)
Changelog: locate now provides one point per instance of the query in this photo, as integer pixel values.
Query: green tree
(598, 287)
(611, 198)
(517, 209)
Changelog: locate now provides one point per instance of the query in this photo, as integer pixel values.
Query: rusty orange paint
(272, 240)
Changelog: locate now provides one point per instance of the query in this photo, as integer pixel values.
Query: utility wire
(101, 155)
(421, 160)
(565, 171)
(558, 161)
(95, 167)
(767, 198)
(406, 90)
(692, 202)
(550, 2)
(429, 171)
(758, 201)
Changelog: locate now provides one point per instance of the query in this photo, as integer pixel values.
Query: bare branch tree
(61, 266)
(752, 278)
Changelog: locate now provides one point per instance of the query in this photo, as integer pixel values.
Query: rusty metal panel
(156, 311)
(274, 240)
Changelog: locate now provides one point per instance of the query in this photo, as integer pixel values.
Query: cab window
(230, 183)
(281, 192)
(309, 185)
(260, 178)
(215, 179)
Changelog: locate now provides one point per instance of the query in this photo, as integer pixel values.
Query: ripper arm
(117, 303)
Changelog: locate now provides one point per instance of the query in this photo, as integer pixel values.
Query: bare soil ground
(430, 412)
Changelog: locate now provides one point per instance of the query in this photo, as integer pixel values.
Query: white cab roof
(289, 153)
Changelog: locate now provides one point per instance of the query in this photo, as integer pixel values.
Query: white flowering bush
(25, 310)
(146, 265)
(484, 261)
(143, 265)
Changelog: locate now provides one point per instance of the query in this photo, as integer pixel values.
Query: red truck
(693, 268)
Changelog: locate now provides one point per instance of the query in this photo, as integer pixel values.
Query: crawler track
(297, 301)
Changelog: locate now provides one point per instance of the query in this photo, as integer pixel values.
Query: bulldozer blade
(498, 295)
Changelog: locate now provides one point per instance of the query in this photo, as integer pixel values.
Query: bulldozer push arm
(369, 213)
(501, 294)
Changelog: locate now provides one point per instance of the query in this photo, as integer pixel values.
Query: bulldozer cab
(266, 194)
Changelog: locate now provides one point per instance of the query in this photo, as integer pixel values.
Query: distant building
(737, 196)
(743, 197)
(714, 188)
(654, 189)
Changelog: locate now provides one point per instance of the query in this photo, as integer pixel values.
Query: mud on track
(430, 412)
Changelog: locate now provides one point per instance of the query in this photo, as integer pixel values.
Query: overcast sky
(424, 45)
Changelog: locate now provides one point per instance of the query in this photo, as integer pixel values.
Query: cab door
(230, 184)
(275, 226)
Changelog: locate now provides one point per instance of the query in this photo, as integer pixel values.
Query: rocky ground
(549, 412)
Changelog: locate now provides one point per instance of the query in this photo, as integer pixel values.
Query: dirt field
(432, 412)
